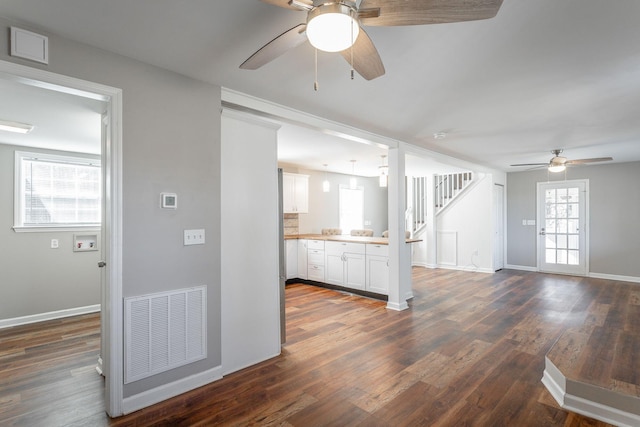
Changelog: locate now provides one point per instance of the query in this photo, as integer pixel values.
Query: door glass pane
(561, 226)
(561, 210)
(572, 211)
(550, 257)
(573, 195)
(550, 225)
(572, 226)
(561, 195)
(574, 242)
(562, 257)
(574, 258)
(561, 241)
(550, 196)
(550, 241)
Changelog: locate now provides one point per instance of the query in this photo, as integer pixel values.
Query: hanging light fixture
(332, 27)
(384, 173)
(353, 182)
(326, 185)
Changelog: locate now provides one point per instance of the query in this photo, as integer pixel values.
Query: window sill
(49, 229)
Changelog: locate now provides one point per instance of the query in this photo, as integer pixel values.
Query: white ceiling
(541, 75)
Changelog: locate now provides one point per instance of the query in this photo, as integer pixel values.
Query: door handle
(102, 264)
(542, 232)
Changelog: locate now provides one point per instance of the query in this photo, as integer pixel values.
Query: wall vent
(163, 331)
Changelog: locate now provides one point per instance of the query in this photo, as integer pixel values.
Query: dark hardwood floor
(469, 351)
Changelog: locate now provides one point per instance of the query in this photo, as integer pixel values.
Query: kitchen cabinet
(295, 193)
(377, 260)
(302, 259)
(345, 264)
(316, 260)
(291, 258)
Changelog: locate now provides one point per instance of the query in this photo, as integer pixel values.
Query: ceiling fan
(336, 26)
(559, 163)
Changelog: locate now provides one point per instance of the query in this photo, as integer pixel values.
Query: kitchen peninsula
(352, 263)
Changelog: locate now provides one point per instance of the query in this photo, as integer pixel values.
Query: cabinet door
(334, 269)
(378, 274)
(301, 193)
(354, 271)
(288, 193)
(291, 258)
(302, 258)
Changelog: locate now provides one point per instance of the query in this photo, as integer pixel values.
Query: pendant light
(326, 185)
(353, 182)
(384, 173)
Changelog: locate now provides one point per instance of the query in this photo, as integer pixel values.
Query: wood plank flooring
(469, 351)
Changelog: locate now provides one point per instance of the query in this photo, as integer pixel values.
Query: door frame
(111, 229)
(584, 224)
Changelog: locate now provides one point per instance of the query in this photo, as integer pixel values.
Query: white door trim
(584, 223)
(112, 224)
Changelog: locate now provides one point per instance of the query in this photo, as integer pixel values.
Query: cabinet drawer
(382, 250)
(315, 244)
(316, 272)
(342, 247)
(315, 257)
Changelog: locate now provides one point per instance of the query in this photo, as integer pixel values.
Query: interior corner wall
(35, 278)
(324, 207)
(614, 209)
(171, 143)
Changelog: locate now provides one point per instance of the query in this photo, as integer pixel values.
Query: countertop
(346, 238)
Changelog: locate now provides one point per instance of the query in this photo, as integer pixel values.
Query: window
(56, 191)
(351, 206)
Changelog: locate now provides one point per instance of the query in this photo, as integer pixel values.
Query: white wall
(250, 275)
(466, 226)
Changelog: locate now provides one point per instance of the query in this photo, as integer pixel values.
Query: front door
(562, 227)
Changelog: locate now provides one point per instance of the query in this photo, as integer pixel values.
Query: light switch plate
(194, 237)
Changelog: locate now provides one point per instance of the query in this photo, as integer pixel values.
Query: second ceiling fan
(336, 26)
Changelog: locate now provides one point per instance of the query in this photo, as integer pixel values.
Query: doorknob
(542, 232)
(102, 264)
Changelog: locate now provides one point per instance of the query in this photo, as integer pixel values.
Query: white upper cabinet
(295, 193)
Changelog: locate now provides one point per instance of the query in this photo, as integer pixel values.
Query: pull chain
(352, 41)
(315, 83)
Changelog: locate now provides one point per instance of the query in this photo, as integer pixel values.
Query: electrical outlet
(194, 237)
(54, 243)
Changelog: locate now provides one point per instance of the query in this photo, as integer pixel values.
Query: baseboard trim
(167, 391)
(521, 267)
(397, 306)
(557, 385)
(52, 315)
(614, 277)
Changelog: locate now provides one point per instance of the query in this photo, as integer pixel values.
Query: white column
(399, 254)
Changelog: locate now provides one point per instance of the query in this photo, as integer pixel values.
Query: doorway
(562, 227)
(111, 230)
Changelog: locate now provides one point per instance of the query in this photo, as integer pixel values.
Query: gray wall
(323, 207)
(35, 278)
(614, 209)
(171, 142)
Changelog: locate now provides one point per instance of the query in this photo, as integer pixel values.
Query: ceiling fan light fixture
(332, 27)
(556, 167)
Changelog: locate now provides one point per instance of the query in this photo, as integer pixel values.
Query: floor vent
(163, 331)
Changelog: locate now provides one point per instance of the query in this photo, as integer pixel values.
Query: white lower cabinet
(302, 259)
(291, 258)
(345, 264)
(378, 269)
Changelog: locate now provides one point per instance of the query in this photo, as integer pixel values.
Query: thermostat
(168, 201)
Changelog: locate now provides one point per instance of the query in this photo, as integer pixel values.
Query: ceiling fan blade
(420, 12)
(366, 60)
(286, 5)
(531, 164)
(276, 47)
(593, 160)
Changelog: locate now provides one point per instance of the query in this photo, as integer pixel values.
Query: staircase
(448, 186)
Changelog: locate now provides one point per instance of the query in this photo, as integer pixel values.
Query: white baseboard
(41, 317)
(397, 307)
(521, 267)
(558, 385)
(614, 277)
(167, 391)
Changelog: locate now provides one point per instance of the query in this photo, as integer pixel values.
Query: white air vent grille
(164, 331)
